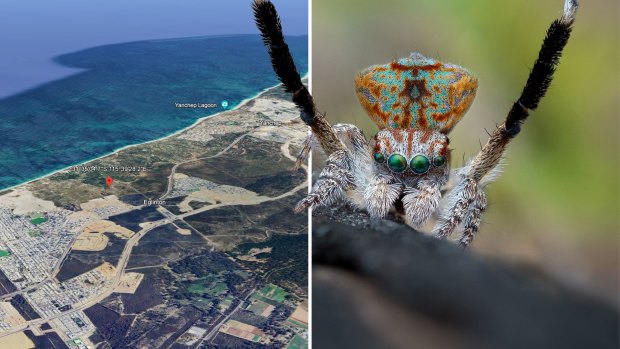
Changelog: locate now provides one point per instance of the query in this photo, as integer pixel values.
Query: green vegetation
(227, 301)
(258, 307)
(4, 253)
(256, 296)
(63, 176)
(270, 292)
(37, 218)
(211, 285)
(37, 221)
(297, 343)
(197, 288)
(217, 289)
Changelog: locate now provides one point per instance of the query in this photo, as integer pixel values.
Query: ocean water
(126, 94)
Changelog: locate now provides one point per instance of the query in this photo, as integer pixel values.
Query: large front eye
(420, 164)
(379, 157)
(397, 163)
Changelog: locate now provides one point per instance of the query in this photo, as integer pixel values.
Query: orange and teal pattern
(416, 92)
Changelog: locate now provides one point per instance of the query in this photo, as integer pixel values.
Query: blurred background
(556, 207)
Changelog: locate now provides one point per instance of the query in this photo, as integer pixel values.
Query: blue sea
(126, 94)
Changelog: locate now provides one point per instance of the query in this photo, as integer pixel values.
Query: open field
(261, 308)
(297, 343)
(93, 239)
(299, 317)
(241, 330)
(272, 292)
(16, 341)
(11, 315)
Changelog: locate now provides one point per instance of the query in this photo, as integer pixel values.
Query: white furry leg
(380, 195)
(460, 198)
(333, 181)
(420, 203)
(472, 220)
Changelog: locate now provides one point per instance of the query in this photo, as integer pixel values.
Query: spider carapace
(415, 101)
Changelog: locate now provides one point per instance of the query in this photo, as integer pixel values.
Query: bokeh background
(556, 207)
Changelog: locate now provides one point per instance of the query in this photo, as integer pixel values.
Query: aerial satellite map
(147, 187)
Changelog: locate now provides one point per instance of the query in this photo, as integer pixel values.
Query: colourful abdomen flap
(416, 92)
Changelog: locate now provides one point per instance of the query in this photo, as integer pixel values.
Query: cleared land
(251, 255)
(17, 340)
(93, 239)
(243, 331)
(11, 315)
(23, 202)
(129, 283)
(300, 315)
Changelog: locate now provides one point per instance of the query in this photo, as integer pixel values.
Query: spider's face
(411, 153)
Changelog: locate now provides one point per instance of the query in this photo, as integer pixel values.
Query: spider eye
(379, 157)
(397, 163)
(439, 161)
(420, 164)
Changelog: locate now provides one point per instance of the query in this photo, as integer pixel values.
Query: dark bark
(384, 285)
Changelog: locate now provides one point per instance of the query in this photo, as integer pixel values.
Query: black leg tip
(512, 130)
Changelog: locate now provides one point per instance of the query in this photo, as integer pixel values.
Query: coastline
(198, 121)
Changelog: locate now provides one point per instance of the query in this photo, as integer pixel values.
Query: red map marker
(109, 181)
